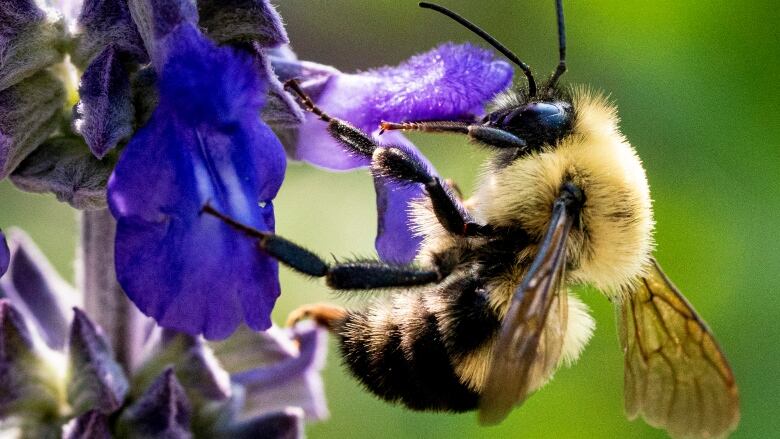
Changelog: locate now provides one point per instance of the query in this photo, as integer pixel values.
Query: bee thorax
(611, 242)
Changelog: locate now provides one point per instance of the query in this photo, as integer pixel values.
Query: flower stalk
(104, 300)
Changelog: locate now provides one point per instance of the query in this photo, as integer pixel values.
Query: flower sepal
(31, 40)
(95, 379)
(29, 112)
(163, 411)
(242, 20)
(65, 167)
(105, 113)
(89, 425)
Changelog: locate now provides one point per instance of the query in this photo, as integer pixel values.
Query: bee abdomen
(411, 368)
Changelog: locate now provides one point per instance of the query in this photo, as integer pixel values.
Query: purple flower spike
(203, 144)
(5, 254)
(294, 381)
(104, 116)
(103, 23)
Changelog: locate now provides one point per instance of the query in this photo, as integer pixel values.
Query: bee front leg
(393, 162)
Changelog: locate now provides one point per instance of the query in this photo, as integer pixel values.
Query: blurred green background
(696, 85)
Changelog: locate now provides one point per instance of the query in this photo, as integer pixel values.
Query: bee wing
(676, 376)
(529, 345)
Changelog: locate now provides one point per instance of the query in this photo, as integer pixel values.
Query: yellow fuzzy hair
(612, 244)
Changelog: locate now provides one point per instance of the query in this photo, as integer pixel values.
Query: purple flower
(203, 144)
(450, 82)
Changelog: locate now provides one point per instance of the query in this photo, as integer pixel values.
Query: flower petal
(293, 382)
(65, 167)
(103, 23)
(242, 20)
(29, 40)
(104, 116)
(449, 82)
(37, 290)
(395, 239)
(163, 411)
(29, 112)
(203, 144)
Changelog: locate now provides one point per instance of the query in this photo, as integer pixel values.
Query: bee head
(537, 123)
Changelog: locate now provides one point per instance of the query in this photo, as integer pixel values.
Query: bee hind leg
(322, 314)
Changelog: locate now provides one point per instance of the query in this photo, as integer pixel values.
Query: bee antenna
(561, 69)
(490, 40)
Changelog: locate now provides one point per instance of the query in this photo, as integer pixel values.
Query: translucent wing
(676, 376)
(529, 345)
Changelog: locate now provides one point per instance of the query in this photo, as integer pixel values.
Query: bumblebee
(484, 316)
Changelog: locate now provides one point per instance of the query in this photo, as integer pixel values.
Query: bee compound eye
(536, 114)
(538, 122)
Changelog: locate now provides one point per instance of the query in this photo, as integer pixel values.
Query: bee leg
(323, 314)
(394, 163)
(355, 140)
(358, 275)
(486, 135)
